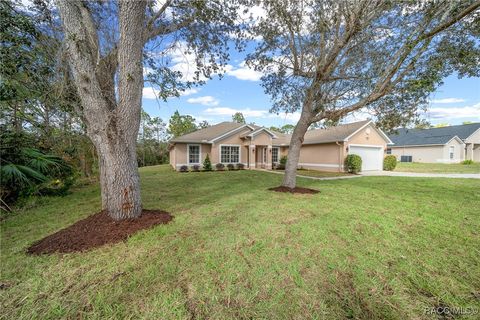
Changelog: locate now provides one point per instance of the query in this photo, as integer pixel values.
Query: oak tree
(327, 59)
(109, 44)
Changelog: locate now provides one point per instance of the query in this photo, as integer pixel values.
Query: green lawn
(366, 248)
(438, 167)
(319, 174)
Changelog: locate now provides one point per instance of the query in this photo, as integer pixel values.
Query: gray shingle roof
(207, 134)
(325, 135)
(410, 137)
(332, 134)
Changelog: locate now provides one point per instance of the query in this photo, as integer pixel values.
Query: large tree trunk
(290, 177)
(112, 117)
(119, 179)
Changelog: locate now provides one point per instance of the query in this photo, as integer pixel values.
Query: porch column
(252, 158)
(469, 151)
(269, 158)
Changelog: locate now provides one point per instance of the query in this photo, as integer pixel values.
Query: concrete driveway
(422, 175)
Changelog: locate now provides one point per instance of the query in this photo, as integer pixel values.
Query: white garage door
(372, 156)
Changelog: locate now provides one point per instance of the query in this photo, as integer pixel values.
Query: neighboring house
(446, 144)
(258, 147)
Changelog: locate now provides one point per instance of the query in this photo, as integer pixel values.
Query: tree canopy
(181, 124)
(328, 59)
(238, 118)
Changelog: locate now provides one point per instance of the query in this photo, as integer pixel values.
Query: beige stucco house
(258, 147)
(447, 144)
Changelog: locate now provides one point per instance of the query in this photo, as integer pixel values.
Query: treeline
(43, 144)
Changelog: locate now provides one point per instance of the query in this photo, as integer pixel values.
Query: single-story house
(446, 144)
(258, 147)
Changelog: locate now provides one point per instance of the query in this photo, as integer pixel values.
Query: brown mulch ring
(95, 231)
(294, 190)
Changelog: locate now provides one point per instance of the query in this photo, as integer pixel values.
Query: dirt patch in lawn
(95, 231)
(294, 190)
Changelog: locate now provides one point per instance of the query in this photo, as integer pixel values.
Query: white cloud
(253, 13)
(185, 62)
(359, 115)
(152, 93)
(225, 111)
(149, 93)
(243, 72)
(448, 100)
(147, 70)
(290, 117)
(188, 92)
(205, 100)
(455, 112)
(253, 113)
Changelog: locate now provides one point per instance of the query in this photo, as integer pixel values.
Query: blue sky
(457, 100)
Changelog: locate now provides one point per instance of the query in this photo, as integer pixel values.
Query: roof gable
(257, 131)
(212, 133)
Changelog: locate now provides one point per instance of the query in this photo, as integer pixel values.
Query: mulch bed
(95, 231)
(294, 190)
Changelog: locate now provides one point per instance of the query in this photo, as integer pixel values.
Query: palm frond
(19, 174)
(42, 162)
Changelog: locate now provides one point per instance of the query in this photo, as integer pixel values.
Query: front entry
(262, 154)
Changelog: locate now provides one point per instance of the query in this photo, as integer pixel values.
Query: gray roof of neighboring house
(326, 135)
(207, 134)
(411, 137)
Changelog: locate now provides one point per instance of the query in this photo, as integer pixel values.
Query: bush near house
(353, 163)
(283, 162)
(220, 166)
(231, 166)
(240, 166)
(468, 162)
(389, 163)
(183, 169)
(196, 168)
(207, 164)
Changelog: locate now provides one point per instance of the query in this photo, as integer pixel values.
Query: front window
(452, 152)
(230, 154)
(389, 150)
(275, 155)
(193, 154)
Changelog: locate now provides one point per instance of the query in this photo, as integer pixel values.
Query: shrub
(220, 166)
(353, 163)
(389, 163)
(231, 166)
(183, 169)
(467, 162)
(196, 168)
(207, 165)
(240, 166)
(283, 161)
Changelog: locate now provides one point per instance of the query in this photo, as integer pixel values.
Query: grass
(438, 167)
(318, 174)
(366, 248)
